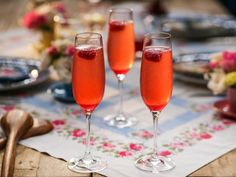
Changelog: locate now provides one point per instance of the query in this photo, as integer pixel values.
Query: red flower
(218, 127)
(135, 147)
(165, 153)
(58, 122)
(229, 61)
(78, 133)
(125, 153)
(229, 55)
(51, 51)
(60, 7)
(33, 20)
(8, 107)
(205, 136)
(70, 50)
(108, 145)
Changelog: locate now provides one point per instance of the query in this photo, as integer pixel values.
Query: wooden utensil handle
(3, 142)
(8, 162)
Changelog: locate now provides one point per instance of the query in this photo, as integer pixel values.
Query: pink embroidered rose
(33, 20)
(78, 133)
(92, 141)
(8, 107)
(205, 136)
(135, 147)
(108, 145)
(165, 153)
(125, 153)
(178, 144)
(194, 135)
(218, 127)
(77, 112)
(58, 122)
(143, 134)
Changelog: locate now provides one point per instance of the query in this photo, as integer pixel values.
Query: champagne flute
(88, 82)
(121, 54)
(156, 82)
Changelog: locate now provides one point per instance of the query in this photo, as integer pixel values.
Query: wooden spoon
(15, 124)
(39, 127)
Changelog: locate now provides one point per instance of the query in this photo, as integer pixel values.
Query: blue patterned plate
(17, 73)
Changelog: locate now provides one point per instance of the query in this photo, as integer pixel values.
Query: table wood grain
(31, 163)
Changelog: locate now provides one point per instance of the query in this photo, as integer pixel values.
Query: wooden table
(30, 163)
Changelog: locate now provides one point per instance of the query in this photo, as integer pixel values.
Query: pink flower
(229, 61)
(8, 107)
(218, 127)
(125, 153)
(205, 136)
(70, 50)
(178, 144)
(78, 133)
(33, 20)
(144, 134)
(92, 141)
(213, 64)
(108, 145)
(60, 7)
(77, 112)
(194, 135)
(58, 122)
(51, 51)
(165, 153)
(135, 147)
(229, 55)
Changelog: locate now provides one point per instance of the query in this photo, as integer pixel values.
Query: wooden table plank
(31, 163)
(223, 166)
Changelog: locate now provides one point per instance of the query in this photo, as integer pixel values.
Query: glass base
(80, 165)
(120, 120)
(155, 164)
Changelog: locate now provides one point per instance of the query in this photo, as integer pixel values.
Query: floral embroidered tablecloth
(190, 131)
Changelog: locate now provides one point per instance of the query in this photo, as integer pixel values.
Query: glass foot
(84, 166)
(120, 120)
(155, 164)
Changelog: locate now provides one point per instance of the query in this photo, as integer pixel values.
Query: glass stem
(120, 85)
(156, 115)
(87, 155)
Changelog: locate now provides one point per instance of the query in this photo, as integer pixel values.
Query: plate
(25, 73)
(222, 107)
(199, 27)
(9, 72)
(62, 92)
(191, 67)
